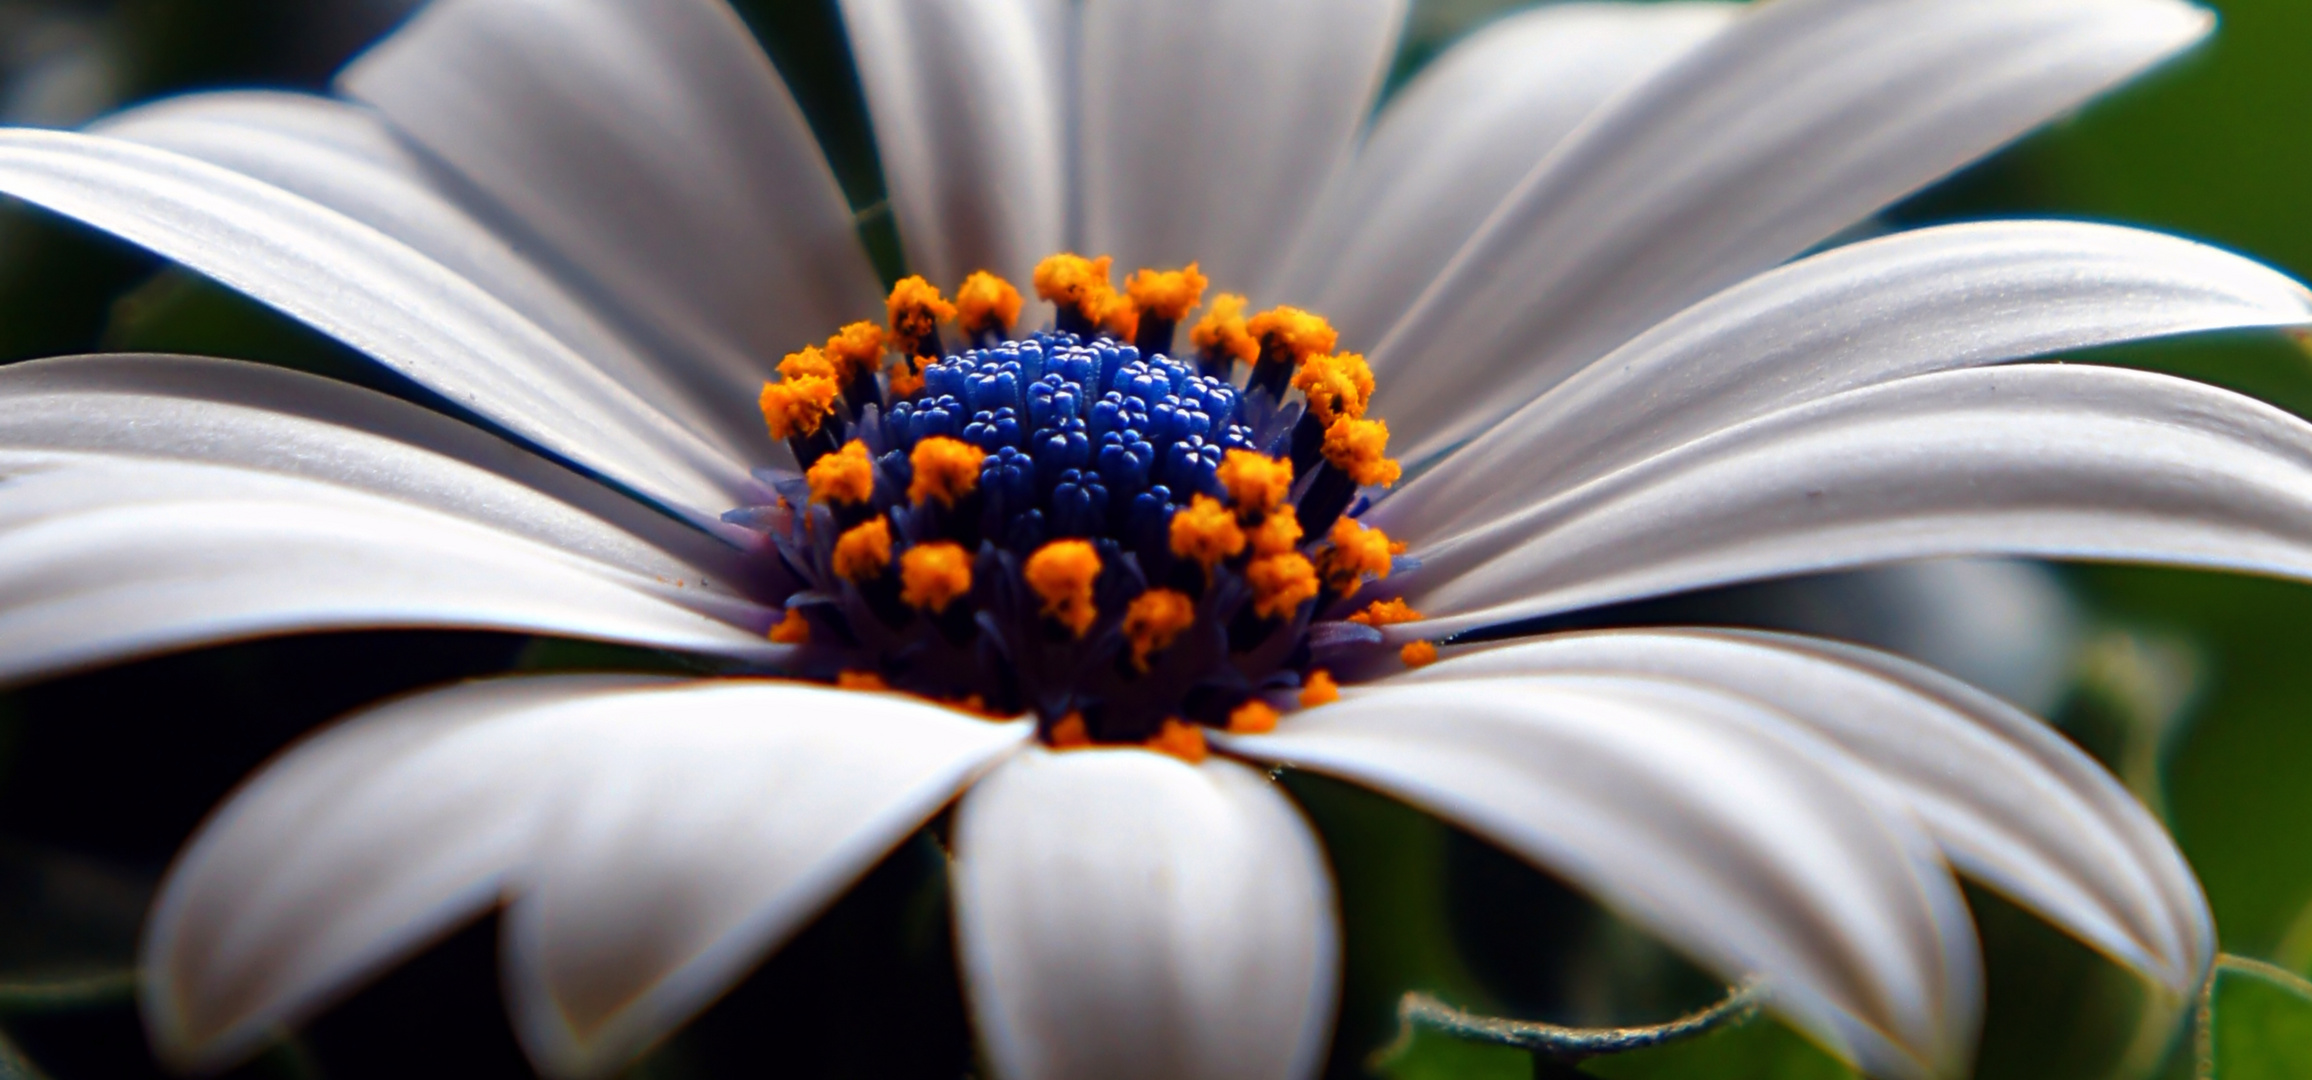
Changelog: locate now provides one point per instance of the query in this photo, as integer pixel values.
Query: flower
(1564, 256)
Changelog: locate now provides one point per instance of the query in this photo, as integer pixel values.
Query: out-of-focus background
(2194, 687)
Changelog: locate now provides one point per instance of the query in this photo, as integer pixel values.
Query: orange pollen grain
(860, 680)
(1418, 654)
(1154, 620)
(1360, 449)
(1166, 294)
(1206, 532)
(795, 408)
(1073, 281)
(794, 629)
(945, 469)
(810, 363)
(1182, 740)
(986, 303)
(1291, 335)
(916, 310)
(933, 575)
(905, 377)
(1319, 689)
(1387, 613)
(1280, 584)
(856, 350)
(864, 551)
(1354, 554)
(1256, 483)
(1070, 733)
(1337, 386)
(1276, 534)
(845, 476)
(1255, 717)
(1222, 332)
(1062, 573)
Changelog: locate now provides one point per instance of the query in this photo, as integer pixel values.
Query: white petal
(970, 125)
(350, 160)
(1735, 835)
(1454, 141)
(1124, 914)
(104, 557)
(1799, 120)
(2044, 460)
(1210, 125)
(352, 851)
(651, 145)
(377, 295)
(708, 825)
(2011, 802)
(1907, 304)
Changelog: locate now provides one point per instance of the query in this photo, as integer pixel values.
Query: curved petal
(1125, 914)
(970, 126)
(1908, 304)
(379, 296)
(1799, 120)
(1735, 835)
(1450, 145)
(651, 145)
(1210, 125)
(2011, 801)
(705, 827)
(349, 159)
(2045, 460)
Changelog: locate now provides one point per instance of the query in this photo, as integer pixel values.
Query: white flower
(591, 224)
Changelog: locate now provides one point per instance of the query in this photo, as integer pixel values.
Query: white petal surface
(651, 145)
(1209, 126)
(1799, 120)
(1127, 915)
(1456, 140)
(2011, 801)
(1733, 834)
(1908, 304)
(704, 828)
(2041, 460)
(347, 158)
(379, 296)
(969, 106)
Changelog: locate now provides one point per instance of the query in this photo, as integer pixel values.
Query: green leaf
(2256, 1023)
(1757, 1049)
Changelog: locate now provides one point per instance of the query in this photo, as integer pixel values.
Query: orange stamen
(845, 476)
(1256, 483)
(1222, 332)
(933, 575)
(1168, 295)
(1182, 740)
(1354, 554)
(860, 680)
(1319, 689)
(1360, 449)
(856, 350)
(794, 629)
(1418, 654)
(1254, 717)
(1337, 387)
(864, 552)
(945, 469)
(904, 376)
(1206, 532)
(986, 303)
(1387, 613)
(1291, 335)
(1154, 620)
(1062, 573)
(1280, 584)
(916, 310)
(1276, 534)
(810, 363)
(795, 408)
(1070, 733)
(1075, 283)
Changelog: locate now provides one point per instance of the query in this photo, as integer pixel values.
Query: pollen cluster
(1132, 546)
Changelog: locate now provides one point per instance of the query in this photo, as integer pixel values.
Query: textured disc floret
(1071, 522)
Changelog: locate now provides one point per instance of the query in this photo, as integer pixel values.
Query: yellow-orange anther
(812, 362)
(1418, 654)
(795, 408)
(1255, 717)
(1206, 532)
(1382, 613)
(1167, 294)
(945, 469)
(794, 629)
(1280, 584)
(904, 376)
(1078, 284)
(1276, 534)
(1222, 331)
(863, 552)
(845, 476)
(856, 350)
(1319, 689)
(916, 310)
(1338, 386)
(1256, 483)
(1070, 733)
(1291, 335)
(1355, 553)
(932, 576)
(860, 680)
(1182, 740)
(986, 302)
(1155, 618)
(1360, 448)
(1062, 573)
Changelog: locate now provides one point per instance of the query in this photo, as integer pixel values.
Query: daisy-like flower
(1084, 584)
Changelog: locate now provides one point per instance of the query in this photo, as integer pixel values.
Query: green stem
(1568, 1044)
(2204, 1014)
(64, 994)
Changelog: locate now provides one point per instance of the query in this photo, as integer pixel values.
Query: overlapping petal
(1735, 834)
(1800, 119)
(1124, 914)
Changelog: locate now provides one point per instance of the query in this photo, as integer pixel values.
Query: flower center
(1073, 522)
